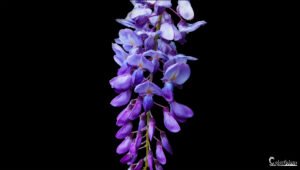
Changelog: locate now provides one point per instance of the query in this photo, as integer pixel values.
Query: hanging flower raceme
(146, 51)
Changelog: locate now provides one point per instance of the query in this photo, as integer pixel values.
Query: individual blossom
(150, 68)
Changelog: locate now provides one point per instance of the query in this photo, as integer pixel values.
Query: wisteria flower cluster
(144, 50)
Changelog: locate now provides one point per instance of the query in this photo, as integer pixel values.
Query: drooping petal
(167, 31)
(137, 76)
(149, 43)
(148, 88)
(139, 165)
(181, 111)
(120, 56)
(132, 148)
(148, 102)
(126, 22)
(167, 92)
(126, 158)
(138, 139)
(123, 117)
(121, 82)
(185, 9)
(187, 28)
(151, 128)
(124, 146)
(157, 165)
(150, 160)
(177, 33)
(136, 109)
(165, 142)
(160, 155)
(147, 65)
(170, 122)
(122, 99)
(177, 73)
(124, 131)
(142, 122)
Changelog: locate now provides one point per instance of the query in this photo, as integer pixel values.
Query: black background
(242, 88)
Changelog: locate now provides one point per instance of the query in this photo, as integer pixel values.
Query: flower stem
(147, 142)
(149, 113)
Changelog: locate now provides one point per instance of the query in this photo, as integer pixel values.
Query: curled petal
(187, 28)
(181, 111)
(148, 102)
(121, 82)
(170, 122)
(165, 142)
(122, 99)
(167, 92)
(136, 109)
(185, 10)
(160, 155)
(177, 73)
(148, 88)
(167, 31)
(124, 146)
(151, 128)
(124, 131)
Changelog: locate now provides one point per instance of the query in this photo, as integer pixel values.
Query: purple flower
(124, 146)
(144, 52)
(178, 73)
(170, 122)
(129, 39)
(157, 165)
(121, 82)
(151, 128)
(123, 117)
(160, 155)
(165, 142)
(122, 99)
(148, 89)
(136, 109)
(124, 131)
(185, 9)
(150, 160)
(139, 61)
(187, 28)
(181, 111)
